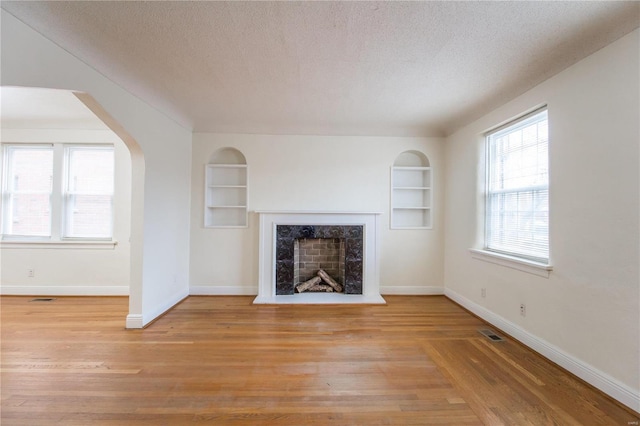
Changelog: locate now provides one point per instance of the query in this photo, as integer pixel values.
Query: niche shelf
(411, 192)
(226, 190)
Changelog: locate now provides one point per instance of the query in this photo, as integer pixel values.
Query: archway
(129, 235)
(137, 207)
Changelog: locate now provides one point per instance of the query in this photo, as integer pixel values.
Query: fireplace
(312, 255)
(295, 247)
(323, 243)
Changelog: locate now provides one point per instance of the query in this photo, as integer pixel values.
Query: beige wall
(315, 173)
(588, 309)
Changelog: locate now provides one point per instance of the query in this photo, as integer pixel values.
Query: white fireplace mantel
(266, 256)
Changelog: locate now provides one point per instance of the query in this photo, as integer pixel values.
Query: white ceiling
(35, 108)
(329, 68)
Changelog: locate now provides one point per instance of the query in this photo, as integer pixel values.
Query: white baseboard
(219, 290)
(134, 321)
(411, 290)
(57, 290)
(205, 290)
(607, 384)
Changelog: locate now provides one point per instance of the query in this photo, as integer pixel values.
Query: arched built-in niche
(411, 191)
(226, 189)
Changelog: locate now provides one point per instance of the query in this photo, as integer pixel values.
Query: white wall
(586, 314)
(314, 173)
(161, 164)
(74, 271)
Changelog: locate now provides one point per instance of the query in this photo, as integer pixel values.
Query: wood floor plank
(222, 360)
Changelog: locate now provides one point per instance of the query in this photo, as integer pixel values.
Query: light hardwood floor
(224, 361)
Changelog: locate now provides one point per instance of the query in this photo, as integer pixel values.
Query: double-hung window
(517, 192)
(88, 192)
(27, 191)
(57, 192)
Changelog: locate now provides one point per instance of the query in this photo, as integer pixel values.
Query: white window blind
(27, 191)
(517, 203)
(88, 192)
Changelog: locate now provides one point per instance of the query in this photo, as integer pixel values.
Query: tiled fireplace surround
(288, 236)
(280, 232)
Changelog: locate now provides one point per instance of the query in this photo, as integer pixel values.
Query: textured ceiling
(338, 68)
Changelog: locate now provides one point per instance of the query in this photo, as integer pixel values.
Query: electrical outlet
(523, 310)
(31, 273)
(483, 292)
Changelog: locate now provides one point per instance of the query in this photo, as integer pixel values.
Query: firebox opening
(351, 237)
(313, 256)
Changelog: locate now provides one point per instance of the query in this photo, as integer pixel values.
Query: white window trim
(64, 244)
(519, 263)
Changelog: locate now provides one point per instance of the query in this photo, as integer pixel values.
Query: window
(517, 196)
(27, 191)
(57, 192)
(88, 192)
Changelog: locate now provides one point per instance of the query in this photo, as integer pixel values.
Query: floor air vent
(43, 299)
(491, 335)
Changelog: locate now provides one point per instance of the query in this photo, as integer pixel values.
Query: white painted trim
(223, 290)
(178, 297)
(607, 384)
(66, 245)
(411, 290)
(58, 290)
(267, 251)
(134, 321)
(512, 262)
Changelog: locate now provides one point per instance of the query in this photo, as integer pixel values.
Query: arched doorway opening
(32, 116)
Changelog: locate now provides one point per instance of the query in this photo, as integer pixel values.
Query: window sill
(71, 244)
(529, 266)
